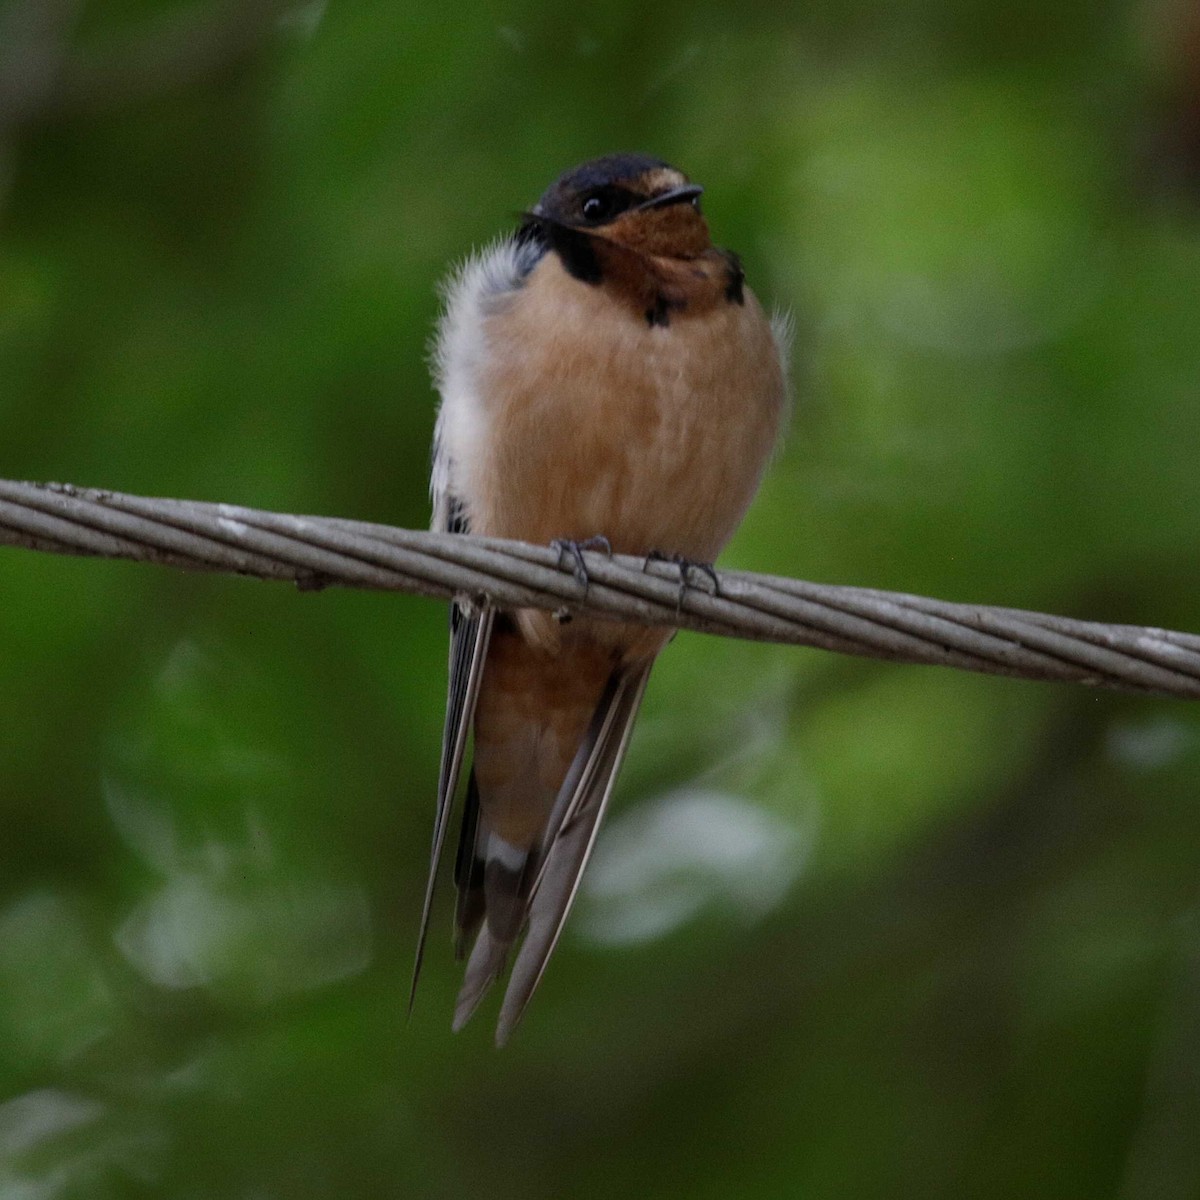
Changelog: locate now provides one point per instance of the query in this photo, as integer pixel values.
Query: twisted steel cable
(316, 552)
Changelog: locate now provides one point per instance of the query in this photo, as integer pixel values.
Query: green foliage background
(221, 227)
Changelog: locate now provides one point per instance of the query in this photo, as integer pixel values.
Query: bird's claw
(568, 547)
(687, 567)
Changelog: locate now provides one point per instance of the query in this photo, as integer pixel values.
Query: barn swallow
(605, 374)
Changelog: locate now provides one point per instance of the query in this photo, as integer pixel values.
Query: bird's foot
(569, 548)
(688, 568)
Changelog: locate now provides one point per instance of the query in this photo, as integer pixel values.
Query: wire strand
(318, 552)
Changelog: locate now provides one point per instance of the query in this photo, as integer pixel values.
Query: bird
(607, 378)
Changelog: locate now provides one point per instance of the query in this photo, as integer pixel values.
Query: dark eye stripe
(602, 203)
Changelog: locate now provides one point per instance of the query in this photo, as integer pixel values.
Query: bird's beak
(679, 195)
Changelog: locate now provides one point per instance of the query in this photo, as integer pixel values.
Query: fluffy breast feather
(564, 415)
(458, 355)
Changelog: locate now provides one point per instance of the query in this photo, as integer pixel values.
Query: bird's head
(632, 200)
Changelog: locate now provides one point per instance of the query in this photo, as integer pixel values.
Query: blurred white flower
(30, 1120)
(659, 865)
(225, 917)
(1149, 745)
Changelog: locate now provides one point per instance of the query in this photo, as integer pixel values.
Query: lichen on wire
(316, 552)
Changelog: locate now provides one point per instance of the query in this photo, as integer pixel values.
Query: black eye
(600, 204)
(596, 208)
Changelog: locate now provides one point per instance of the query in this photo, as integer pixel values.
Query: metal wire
(318, 552)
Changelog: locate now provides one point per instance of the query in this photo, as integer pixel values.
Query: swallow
(606, 375)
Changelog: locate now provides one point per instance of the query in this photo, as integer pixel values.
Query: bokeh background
(854, 929)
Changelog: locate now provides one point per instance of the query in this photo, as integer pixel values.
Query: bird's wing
(470, 632)
(458, 345)
(570, 835)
